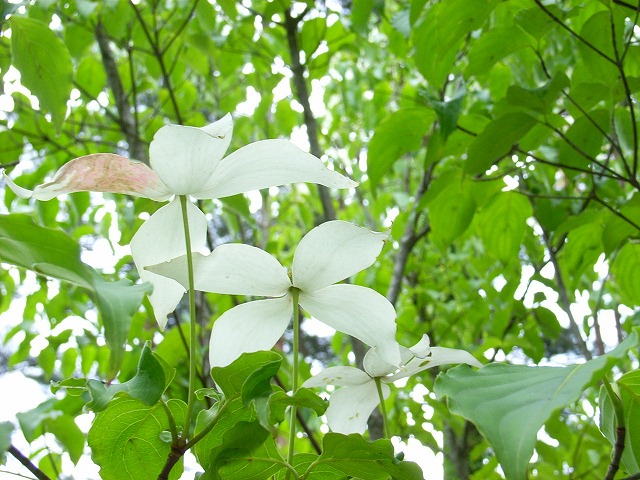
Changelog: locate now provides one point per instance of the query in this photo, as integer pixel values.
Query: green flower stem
(172, 422)
(383, 408)
(209, 426)
(192, 320)
(295, 294)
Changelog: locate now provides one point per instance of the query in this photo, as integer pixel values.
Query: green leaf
(6, 429)
(493, 46)
(541, 99)
(448, 113)
(497, 140)
(126, 439)
(353, 455)
(629, 385)
(251, 368)
(360, 12)
(625, 270)
(452, 210)
(597, 31)
(272, 410)
(442, 30)
(58, 418)
(52, 252)
(240, 463)
(147, 385)
(584, 139)
(91, 77)
(629, 393)
(502, 225)
(44, 64)
(236, 428)
(510, 403)
(399, 133)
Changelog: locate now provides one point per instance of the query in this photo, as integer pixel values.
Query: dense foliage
(498, 143)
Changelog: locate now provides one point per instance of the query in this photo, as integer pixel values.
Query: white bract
(184, 161)
(350, 406)
(327, 254)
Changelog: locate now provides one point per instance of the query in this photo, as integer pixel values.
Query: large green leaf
(502, 225)
(53, 253)
(399, 133)
(127, 439)
(57, 418)
(452, 210)
(353, 455)
(584, 139)
(497, 140)
(238, 462)
(44, 64)
(493, 46)
(236, 430)
(510, 403)
(248, 374)
(625, 270)
(442, 30)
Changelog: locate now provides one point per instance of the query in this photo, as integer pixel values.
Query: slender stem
(192, 320)
(172, 421)
(200, 435)
(618, 447)
(17, 454)
(295, 293)
(383, 407)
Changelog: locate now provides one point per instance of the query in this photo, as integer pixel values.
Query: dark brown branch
(565, 303)
(157, 53)
(40, 475)
(627, 93)
(408, 240)
(618, 448)
(300, 84)
(126, 120)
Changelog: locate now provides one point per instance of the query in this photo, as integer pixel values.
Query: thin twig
(40, 475)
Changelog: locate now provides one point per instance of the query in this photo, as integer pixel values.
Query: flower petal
(154, 243)
(350, 407)
(100, 172)
(249, 327)
(376, 366)
(439, 356)
(340, 376)
(233, 268)
(186, 157)
(357, 311)
(422, 348)
(332, 252)
(269, 163)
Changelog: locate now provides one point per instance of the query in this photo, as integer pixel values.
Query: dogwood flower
(327, 254)
(184, 161)
(350, 406)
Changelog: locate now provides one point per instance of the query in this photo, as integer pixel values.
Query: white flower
(350, 406)
(327, 254)
(184, 161)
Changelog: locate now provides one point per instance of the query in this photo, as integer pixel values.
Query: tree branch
(300, 84)
(40, 475)
(126, 120)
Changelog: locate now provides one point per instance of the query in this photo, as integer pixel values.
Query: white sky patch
(248, 107)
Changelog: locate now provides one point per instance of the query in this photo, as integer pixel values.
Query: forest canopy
(320, 239)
